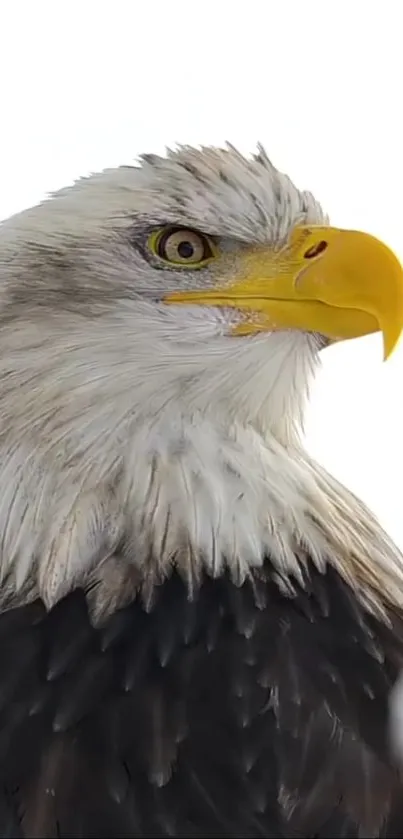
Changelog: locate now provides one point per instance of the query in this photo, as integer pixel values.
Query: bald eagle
(200, 627)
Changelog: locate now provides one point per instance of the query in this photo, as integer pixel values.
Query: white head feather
(135, 435)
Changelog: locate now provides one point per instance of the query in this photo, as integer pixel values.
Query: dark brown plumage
(242, 713)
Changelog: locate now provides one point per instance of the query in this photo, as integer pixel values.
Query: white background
(88, 85)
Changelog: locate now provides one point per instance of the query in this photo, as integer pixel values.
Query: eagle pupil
(185, 250)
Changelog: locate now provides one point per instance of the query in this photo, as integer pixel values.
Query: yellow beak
(339, 283)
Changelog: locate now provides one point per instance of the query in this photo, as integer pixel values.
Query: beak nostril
(315, 250)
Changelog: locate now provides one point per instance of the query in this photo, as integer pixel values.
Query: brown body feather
(239, 713)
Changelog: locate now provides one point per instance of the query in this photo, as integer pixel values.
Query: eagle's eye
(180, 246)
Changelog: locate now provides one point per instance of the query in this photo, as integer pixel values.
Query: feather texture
(237, 712)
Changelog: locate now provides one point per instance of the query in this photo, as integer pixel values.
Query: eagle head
(160, 325)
